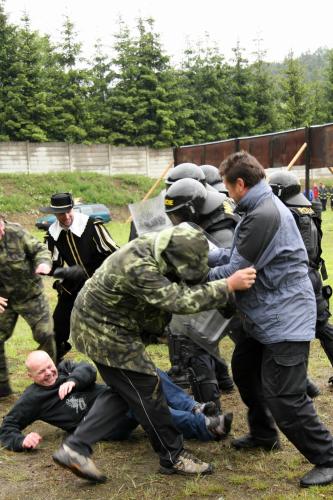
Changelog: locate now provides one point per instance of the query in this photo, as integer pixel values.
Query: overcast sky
(282, 25)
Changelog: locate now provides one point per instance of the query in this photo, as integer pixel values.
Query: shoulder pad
(304, 210)
(228, 207)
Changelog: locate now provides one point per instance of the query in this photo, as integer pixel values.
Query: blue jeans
(120, 426)
(191, 425)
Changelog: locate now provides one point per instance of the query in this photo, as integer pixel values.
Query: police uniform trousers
(271, 379)
(142, 394)
(324, 331)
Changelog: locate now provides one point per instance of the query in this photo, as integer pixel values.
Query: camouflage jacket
(20, 254)
(137, 289)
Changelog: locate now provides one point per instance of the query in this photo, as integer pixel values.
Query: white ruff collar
(77, 228)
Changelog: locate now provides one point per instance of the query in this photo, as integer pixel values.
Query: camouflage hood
(183, 250)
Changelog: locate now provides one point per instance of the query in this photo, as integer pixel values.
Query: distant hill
(314, 64)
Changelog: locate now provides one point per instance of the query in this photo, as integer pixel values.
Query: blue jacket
(281, 304)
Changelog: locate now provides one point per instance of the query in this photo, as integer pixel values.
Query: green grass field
(131, 466)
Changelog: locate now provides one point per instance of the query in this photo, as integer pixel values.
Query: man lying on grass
(63, 397)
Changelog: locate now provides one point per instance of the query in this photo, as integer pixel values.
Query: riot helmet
(287, 187)
(185, 171)
(187, 199)
(213, 178)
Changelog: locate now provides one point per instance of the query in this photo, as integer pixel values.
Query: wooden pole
(330, 169)
(297, 155)
(163, 174)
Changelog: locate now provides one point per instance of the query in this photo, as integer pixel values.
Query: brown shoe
(79, 464)
(187, 464)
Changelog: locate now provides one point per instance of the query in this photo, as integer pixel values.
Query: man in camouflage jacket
(134, 292)
(22, 260)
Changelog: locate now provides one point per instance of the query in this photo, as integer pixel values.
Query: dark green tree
(69, 87)
(98, 95)
(143, 99)
(27, 112)
(294, 107)
(239, 96)
(8, 58)
(328, 88)
(317, 102)
(264, 95)
(204, 77)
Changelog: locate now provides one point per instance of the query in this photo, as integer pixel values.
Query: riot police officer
(287, 187)
(187, 200)
(213, 178)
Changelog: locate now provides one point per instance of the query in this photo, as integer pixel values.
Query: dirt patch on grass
(132, 466)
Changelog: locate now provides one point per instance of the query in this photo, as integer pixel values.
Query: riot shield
(205, 329)
(149, 215)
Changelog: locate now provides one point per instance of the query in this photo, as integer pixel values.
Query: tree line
(136, 96)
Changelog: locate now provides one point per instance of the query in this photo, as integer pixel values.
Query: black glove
(72, 273)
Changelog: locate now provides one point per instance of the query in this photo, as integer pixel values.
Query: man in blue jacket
(278, 320)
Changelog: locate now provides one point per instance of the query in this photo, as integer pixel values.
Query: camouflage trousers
(36, 313)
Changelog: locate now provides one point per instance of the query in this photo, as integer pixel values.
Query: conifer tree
(142, 109)
(8, 59)
(240, 96)
(204, 75)
(27, 112)
(69, 89)
(328, 92)
(264, 95)
(99, 91)
(293, 104)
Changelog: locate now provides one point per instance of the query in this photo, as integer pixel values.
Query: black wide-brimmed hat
(60, 203)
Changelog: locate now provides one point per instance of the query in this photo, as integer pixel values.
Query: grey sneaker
(79, 464)
(220, 426)
(187, 464)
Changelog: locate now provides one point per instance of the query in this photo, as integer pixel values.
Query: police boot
(48, 345)
(5, 389)
(318, 476)
(62, 349)
(226, 384)
(311, 389)
(224, 380)
(249, 442)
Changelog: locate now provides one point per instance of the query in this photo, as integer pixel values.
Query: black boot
(249, 442)
(5, 389)
(311, 389)
(62, 349)
(318, 476)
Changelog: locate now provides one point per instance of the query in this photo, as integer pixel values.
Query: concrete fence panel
(26, 157)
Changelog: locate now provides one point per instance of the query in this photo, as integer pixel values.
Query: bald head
(41, 368)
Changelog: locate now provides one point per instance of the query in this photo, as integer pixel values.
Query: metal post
(307, 161)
